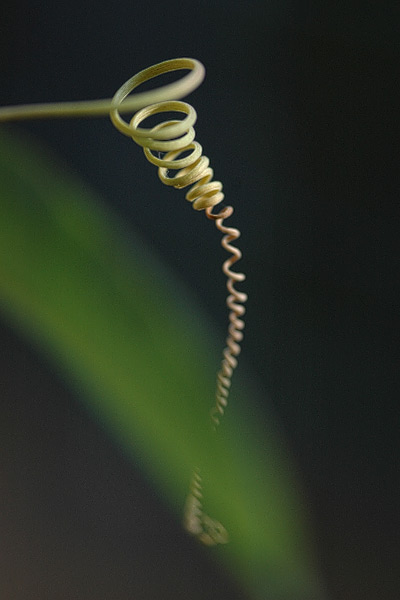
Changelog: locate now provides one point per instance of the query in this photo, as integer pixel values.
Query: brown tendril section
(234, 302)
(171, 146)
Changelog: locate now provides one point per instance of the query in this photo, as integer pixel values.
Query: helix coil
(170, 139)
(171, 146)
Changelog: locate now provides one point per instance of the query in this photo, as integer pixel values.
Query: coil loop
(174, 142)
(193, 169)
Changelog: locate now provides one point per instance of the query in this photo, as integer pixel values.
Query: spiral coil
(171, 146)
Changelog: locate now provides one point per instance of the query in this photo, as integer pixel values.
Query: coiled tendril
(172, 139)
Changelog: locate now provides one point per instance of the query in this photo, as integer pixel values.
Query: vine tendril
(171, 146)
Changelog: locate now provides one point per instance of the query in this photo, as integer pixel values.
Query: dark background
(297, 114)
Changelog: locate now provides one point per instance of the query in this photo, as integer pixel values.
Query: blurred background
(297, 114)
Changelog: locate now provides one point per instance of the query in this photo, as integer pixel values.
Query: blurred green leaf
(127, 335)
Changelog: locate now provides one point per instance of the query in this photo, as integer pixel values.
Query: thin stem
(101, 108)
(59, 110)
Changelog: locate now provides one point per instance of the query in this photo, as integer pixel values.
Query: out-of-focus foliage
(117, 323)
